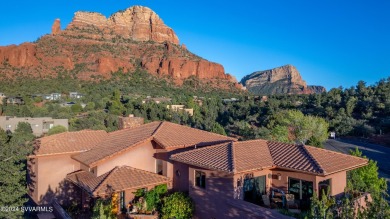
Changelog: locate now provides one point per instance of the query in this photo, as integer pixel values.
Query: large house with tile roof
(223, 176)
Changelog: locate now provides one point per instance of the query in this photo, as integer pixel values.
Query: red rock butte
(93, 45)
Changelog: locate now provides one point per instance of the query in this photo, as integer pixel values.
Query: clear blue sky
(332, 43)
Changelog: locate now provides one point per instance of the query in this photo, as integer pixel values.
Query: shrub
(177, 205)
(56, 130)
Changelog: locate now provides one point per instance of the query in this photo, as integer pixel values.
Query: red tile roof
(229, 157)
(117, 142)
(68, 142)
(251, 155)
(330, 161)
(293, 157)
(166, 134)
(118, 179)
(174, 135)
(245, 156)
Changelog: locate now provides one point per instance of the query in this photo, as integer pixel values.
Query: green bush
(57, 129)
(177, 205)
(154, 196)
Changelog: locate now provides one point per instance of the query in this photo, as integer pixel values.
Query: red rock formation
(137, 23)
(56, 28)
(23, 55)
(282, 80)
(93, 45)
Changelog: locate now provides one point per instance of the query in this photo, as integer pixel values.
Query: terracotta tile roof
(245, 156)
(217, 157)
(174, 135)
(251, 155)
(86, 180)
(68, 142)
(331, 161)
(293, 157)
(164, 133)
(117, 142)
(118, 179)
(229, 157)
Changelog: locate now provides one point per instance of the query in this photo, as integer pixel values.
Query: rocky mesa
(93, 46)
(282, 80)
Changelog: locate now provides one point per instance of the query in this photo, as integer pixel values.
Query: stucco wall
(338, 182)
(180, 177)
(285, 174)
(239, 193)
(211, 201)
(141, 157)
(52, 170)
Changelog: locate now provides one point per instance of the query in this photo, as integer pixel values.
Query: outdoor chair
(291, 204)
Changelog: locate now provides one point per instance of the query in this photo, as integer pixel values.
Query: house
(52, 96)
(230, 100)
(70, 104)
(85, 158)
(224, 177)
(39, 125)
(2, 97)
(75, 95)
(156, 100)
(177, 108)
(15, 100)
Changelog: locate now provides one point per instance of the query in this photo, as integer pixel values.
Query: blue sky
(332, 43)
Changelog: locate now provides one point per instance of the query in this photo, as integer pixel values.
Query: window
(323, 187)
(300, 188)
(254, 188)
(48, 125)
(122, 200)
(159, 167)
(200, 179)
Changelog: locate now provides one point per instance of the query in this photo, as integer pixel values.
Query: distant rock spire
(56, 28)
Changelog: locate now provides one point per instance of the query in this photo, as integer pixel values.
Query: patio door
(254, 188)
(302, 190)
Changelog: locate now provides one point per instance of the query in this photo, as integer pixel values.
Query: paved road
(379, 153)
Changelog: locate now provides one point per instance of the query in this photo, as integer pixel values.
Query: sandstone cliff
(136, 23)
(282, 80)
(95, 46)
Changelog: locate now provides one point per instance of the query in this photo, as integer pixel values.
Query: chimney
(130, 122)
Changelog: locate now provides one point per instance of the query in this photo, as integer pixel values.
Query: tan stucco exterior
(49, 172)
(140, 157)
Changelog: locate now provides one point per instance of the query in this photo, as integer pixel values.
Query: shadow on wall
(67, 194)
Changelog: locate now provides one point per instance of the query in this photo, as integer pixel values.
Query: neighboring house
(156, 100)
(69, 104)
(230, 100)
(224, 177)
(15, 100)
(39, 126)
(52, 96)
(2, 97)
(75, 95)
(177, 108)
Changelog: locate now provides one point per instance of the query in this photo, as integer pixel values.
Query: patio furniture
(266, 200)
(291, 204)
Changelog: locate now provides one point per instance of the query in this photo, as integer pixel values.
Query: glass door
(254, 188)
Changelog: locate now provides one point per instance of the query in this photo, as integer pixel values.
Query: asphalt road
(379, 153)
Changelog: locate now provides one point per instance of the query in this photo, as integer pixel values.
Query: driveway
(376, 152)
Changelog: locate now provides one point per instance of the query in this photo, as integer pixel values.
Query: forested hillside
(360, 111)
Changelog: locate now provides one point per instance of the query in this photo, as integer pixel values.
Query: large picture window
(200, 179)
(300, 188)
